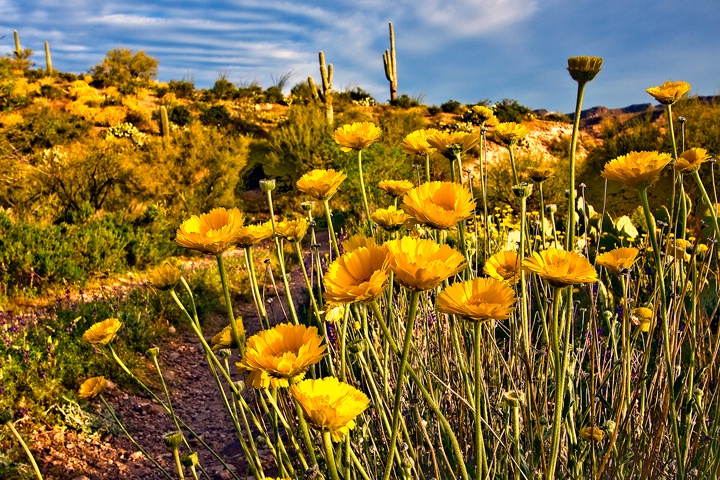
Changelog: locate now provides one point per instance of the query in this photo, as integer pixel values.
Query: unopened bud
(267, 184)
(173, 440)
(152, 353)
(190, 460)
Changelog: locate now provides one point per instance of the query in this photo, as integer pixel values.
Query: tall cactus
(18, 51)
(164, 122)
(390, 63)
(324, 93)
(48, 59)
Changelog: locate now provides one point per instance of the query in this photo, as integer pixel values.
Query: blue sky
(466, 50)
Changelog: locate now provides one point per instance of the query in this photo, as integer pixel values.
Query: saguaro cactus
(18, 51)
(48, 60)
(164, 122)
(390, 63)
(324, 94)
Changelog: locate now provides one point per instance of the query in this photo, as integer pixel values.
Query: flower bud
(6, 416)
(190, 460)
(584, 69)
(267, 184)
(173, 440)
(152, 353)
(522, 190)
(307, 206)
(551, 208)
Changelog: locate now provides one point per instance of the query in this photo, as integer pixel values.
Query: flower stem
(570, 232)
(330, 460)
(481, 467)
(27, 450)
(328, 216)
(238, 334)
(409, 333)
(560, 370)
(362, 187)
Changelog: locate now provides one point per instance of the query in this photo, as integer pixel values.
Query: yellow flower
(440, 205)
(615, 261)
(92, 387)
(540, 174)
(584, 69)
(321, 184)
(253, 234)
(357, 241)
(504, 266)
(479, 300)
(669, 92)
(292, 230)
(591, 434)
(561, 268)
(642, 317)
(509, 133)
(212, 232)
(678, 248)
(395, 188)
(482, 113)
(103, 332)
(636, 169)
(416, 143)
(391, 219)
(330, 405)
(357, 276)
(421, 264)
(690, 160)
(165, 276)
(449, 144)
(335, 314)
(356, 136)
(282, 354)
(224, 338)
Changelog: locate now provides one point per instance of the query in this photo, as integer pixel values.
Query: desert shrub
(42, 127)
(223, 89)
(125, 70)
(182, 88)
(452, 106)
(397, 124)
(180, 115)
(216, 116)
(405, 101)
(509, 110)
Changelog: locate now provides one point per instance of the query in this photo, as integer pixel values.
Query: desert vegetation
(485, 292)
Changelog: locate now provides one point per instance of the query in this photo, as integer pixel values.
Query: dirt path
(63, 455)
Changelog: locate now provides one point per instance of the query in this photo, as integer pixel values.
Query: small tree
(124, 69)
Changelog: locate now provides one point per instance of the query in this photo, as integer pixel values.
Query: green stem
(132, 440)
(708, 202)
(238, 334)
(481, 468)
(178, 464)
(427, 166)
(331, 230)
(512, 164)
(252, 276)
(560, 370)
(667, 343)
(286, 282)
(570, 231)
(362, 187)
(27, 450)
(330, 456)
(409, 333)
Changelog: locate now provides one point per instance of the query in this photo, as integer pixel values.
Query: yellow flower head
(335, 314)
(281, 355)
(357, 276)
(421, 264)
(416, 143)
(669, 92)
(636, 169)
(642, 317)
(439, 205)
(292, 230)
(103, 332)
(330, 405)
(395, 188)
(690, 160)
(213, 232)
(584, 69)
(165, 276)
(321, 184)
(92, 387)
(593, 434)
(450, 144)
(253, 234)
(540, 174)
(391, 219)
(615, 261)
(357, 241)
(678, 248)
(561, 268)
(478, 300)
(482, 113)
(509, 133)
(504, 266)
(224, 338)
(356, 136)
